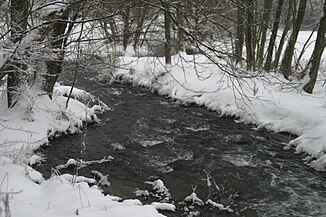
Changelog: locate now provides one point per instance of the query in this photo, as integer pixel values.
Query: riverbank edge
(277, 109)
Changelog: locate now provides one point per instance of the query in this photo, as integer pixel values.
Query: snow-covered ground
(36, 118)
(58, 197)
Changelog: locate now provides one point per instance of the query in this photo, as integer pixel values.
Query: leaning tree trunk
(19, 13)
(272, 39)
(58, 35)
(284, 34)
(285, 68)
(317, 53)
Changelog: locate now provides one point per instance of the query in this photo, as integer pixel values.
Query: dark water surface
(152, 137)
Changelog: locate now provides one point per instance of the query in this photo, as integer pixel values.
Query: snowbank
(268, 101)
(23, 191)
(57, 197)
(36, 118)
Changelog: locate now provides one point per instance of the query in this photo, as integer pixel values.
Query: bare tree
(288, 23)
(126, 26)
(314, 61)
(19, 10)
(250, 51)
(167, 30)
(263, 30)
(58, 39)
(240, 30)
(140, 17)
(272, 39)
(285, 67)
(43, 39)
(180, 21)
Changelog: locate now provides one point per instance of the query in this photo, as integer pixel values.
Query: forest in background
(253, 36)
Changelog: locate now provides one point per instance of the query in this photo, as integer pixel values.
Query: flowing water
(152, 137)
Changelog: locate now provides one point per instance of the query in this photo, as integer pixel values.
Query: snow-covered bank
(58, 197)
(23, 191)
(267, 100)
(36, 118)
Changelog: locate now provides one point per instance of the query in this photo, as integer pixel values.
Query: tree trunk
(317, 53)
(140, 24)
(19, 13)
(167, 28)
(180, 22)
(57, 37)
(285, 68)
(264, 27)
(113, 27)
(239, 40)
(249, 36)
(126, 28)
(284, 34)
(272, 39)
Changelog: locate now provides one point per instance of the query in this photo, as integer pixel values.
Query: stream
(189, 148)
